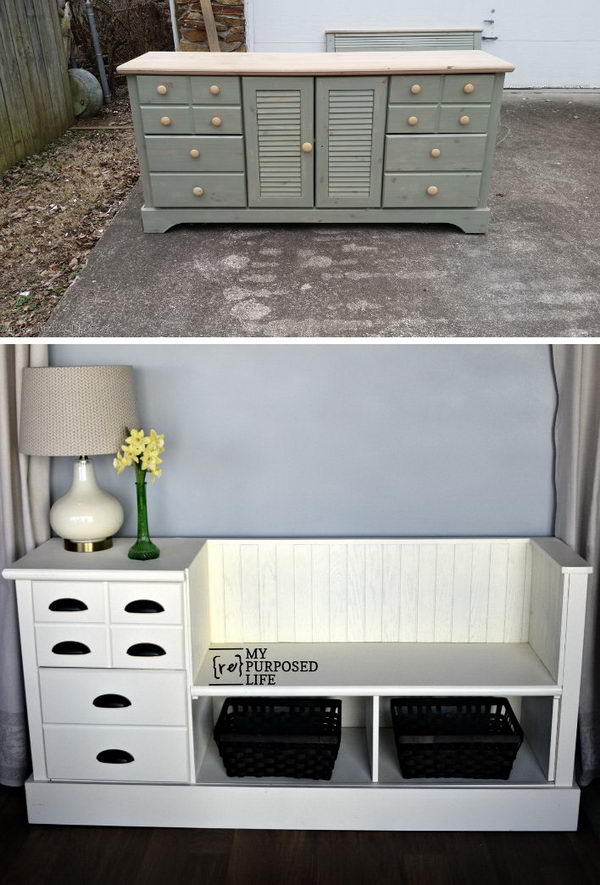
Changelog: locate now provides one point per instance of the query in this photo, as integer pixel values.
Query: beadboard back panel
(373, 591)
(548, 608)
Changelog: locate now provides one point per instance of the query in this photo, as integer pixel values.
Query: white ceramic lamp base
(86, 517)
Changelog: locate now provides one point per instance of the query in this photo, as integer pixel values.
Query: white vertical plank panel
(390, 603)
(285, 593)
(426, 595)
(497, 594)
(356, 592)
(320, 593)
(373, 591)
(268, 591)
(250, 594)
(216, 589)
(444, 581)
(338, 592)
(461, 598)
(527, 593)
(409, 590)
(547, 590)
(233, 592)
(515, 589)
(480, 588)
(303, 621)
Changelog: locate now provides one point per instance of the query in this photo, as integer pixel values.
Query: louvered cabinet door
(350, 138)
(279, 127)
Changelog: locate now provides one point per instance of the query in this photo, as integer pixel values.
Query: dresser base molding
(304, 808)
(471, 221)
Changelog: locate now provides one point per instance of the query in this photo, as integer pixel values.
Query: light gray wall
(338, 439)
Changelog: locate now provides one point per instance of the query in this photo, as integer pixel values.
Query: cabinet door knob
(114, 757)
(307, 147)
(415, 88)
(162, 89)
(145, 650)
(67, 605)
(432, 190)
(194, 153)
(111, 701)
(435, 153)
(70, 647)
(214, 89)
(469, 88)
(412, 121)
(165, 121)
(464, 120)
(216, 121)
(198, 191)
(144, 607)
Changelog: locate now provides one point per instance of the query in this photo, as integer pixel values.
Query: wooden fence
(35, 97)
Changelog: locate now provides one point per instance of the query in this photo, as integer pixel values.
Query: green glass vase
(143, 547)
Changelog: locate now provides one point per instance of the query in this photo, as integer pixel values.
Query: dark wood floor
(56, 855)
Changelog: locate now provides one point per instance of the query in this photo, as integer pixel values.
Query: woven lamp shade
(76, 410)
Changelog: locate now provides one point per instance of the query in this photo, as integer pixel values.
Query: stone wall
(229, 18)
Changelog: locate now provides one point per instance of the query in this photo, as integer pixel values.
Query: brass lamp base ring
(88, 546)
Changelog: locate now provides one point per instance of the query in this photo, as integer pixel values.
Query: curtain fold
(24, 504)
(577, 476)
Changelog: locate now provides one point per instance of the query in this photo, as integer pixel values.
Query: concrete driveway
(536, 273)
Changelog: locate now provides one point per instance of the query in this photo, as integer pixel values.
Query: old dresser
(316, 137)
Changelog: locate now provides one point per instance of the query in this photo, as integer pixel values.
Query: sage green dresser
(316, 137)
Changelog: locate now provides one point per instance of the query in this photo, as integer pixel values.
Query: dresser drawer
(217, 120)
(216, 90)
(440, 153)
(163, 90)
(468, 87)
(456, 118)
(415, 88)
(224, 189)
(152, 603)
(196, 153)
(72, 645)
(113, 697)
(154, 648)
(167, 120)
(404, 118)
(64, 601)
(125, 754)
(454, 190)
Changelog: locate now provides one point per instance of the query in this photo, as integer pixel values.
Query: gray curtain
(577, 437)
(24, 502)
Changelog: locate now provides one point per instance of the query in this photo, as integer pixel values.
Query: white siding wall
(551, 43)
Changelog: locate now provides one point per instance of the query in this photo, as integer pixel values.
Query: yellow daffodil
(141, 452)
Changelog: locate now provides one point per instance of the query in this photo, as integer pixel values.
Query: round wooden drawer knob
(216, 90)
(468, 88)
(435, 153)
(432, 190)
(307, 147)
(216, 121)
(194, 153)
(412, 121)
(464, 120)
(415, 88)
(162, 89)
(165, 121)
(198, 191)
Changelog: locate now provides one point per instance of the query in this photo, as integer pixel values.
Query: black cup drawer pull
(145, 650)
(144, 607)
(111, 701)
(70, 647)
(67, 605)
(114, 757)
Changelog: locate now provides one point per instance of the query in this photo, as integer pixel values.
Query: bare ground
(54, 206)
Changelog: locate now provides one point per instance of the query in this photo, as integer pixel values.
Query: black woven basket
(455, 737)
(279, 737)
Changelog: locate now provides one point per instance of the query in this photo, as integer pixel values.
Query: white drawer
(68, 601)
(113, 697)
(72, 645)
(147, 647)
(137, 603)
(153, 754)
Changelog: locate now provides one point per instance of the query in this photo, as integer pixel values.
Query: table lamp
(80, 411)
